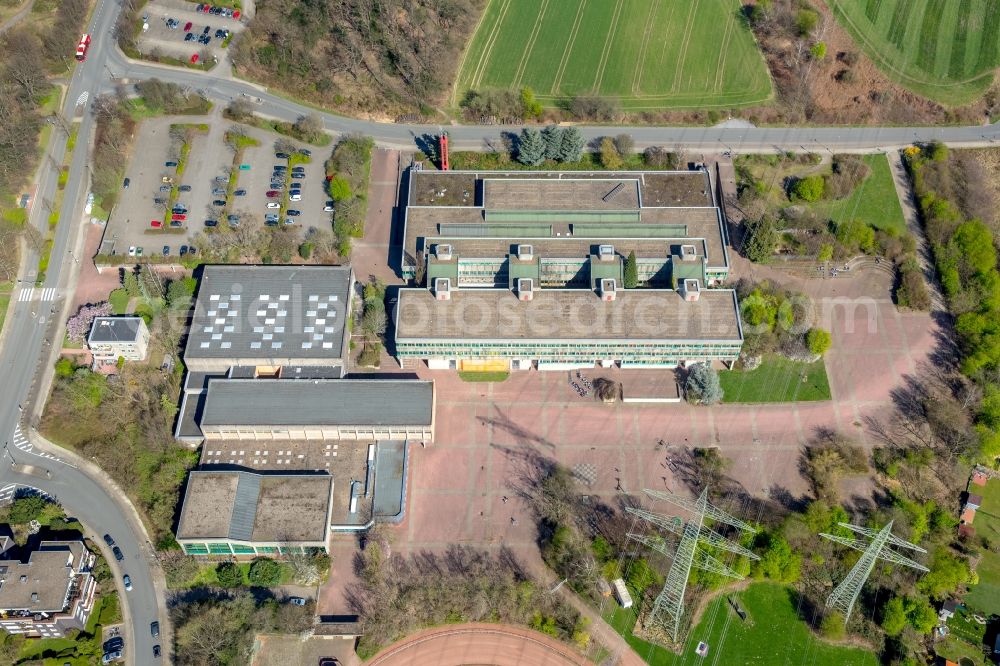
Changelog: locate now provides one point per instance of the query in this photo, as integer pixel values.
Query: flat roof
(246, 506)
(115, 329)
(269, 312)
(567, 314)
(47, 574)
(318, 402)
(483, 213)
(565, 193)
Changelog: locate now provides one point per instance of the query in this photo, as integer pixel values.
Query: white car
(131, 250)
(295, 197)
(273, 204)
(328, 208)
(128, 583)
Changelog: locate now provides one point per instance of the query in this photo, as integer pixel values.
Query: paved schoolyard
(486, 433)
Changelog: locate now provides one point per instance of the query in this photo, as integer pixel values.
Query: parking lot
(213, 190)
(169, 22)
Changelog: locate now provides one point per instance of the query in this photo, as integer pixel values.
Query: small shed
(968, 515)
(973, 501)
(621, 593)
(948, 609)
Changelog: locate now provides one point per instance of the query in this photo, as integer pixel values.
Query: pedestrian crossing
(22, 443)
(39, 294)
(8, 492)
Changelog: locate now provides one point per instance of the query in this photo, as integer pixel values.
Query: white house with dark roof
(112, 338)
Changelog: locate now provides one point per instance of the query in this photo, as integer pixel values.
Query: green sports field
(649, 54)
(943, 49)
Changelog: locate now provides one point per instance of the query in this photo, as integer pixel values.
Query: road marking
(30, 294)
(22, 443)
(82, 99)
(8, 492)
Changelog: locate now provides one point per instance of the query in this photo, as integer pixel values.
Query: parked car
(164, 188)
(179, 209)
(273, 204)
(159, 200)
(108, 540)
(154, 629)
(298, 169)
(298, 174)
(114, 644)
(132, 251)
(193, 250)
(282, 156)
(297, 601)
(184, 188)
(240, 193)
(328, 208)
(295, 196)
(187, 26)
(156, 224)
(170, 163)
(211, 223)
(166, 250)
(138, 249)
(126, 183)
(111, 656)
(233, 218)
(126, 579)
(306, 152)
(207, 28)
(218, 202)
(156, 651)
(273, 194)
(176, 224)
(218, 191)
(271, 218)
(280, 167)
(173, 23)
(234, 223)
(183, 250)
(293, 213)
(189, 37)
(178, 216)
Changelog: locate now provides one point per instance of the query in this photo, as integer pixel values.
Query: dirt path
(16, 18)
(496, 644)
(907, 201)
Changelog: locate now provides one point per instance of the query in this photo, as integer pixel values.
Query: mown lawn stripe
(956, 63)
(900, 23)
(930, 28)
(990, 44)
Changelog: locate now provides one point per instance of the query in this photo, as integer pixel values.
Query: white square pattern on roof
(275, 320)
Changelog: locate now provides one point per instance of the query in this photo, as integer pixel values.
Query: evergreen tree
(553, 137)
(760, 240)
(530, 147)
(703, 384)
(631, 271)
(571, 149)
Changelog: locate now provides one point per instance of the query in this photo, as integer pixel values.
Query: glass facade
(219, 548)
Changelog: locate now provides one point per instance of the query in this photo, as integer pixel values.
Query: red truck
(81, 48)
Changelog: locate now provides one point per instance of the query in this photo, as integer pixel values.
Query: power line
(846, 593)
(668, 609)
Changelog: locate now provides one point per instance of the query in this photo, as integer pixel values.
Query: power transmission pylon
(668, 609)
(846, 593)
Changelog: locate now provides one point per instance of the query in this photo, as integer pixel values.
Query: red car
(194, 58)
(206, 8)
(273, 194)
(187, 27)
(178, 216)
(156, 224)
(236, 14)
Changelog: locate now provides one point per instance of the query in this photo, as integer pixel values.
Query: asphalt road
(479, 137)
(25, 354)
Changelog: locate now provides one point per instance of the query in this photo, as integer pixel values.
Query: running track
(495, 644)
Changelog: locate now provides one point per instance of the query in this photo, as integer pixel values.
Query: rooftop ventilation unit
(608, 289)
(442, 289)
(525, 289)
(525, 252)
(688, 253)
(442, 251)
(606, 252)
(690, 289)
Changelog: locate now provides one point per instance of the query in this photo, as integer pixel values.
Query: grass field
(773, 634)
(985, 597)
(874, 201)
(777, 379)
(943, 49)
(648, 54)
